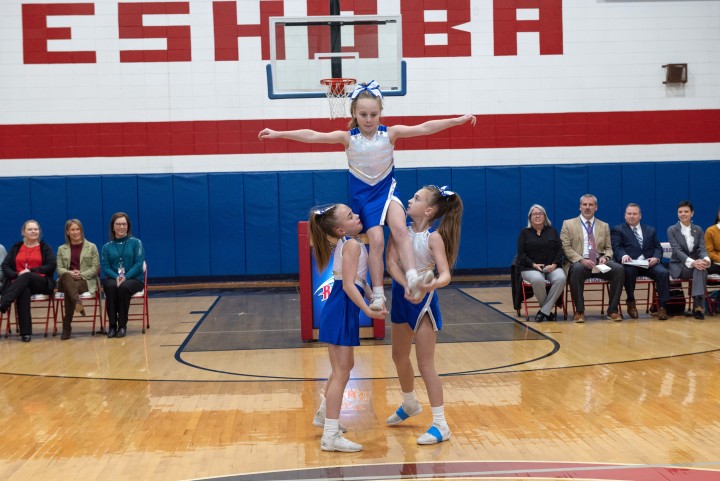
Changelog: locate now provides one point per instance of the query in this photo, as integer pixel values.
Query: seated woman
(539, 254)
(78, 262)
(121, 263)
(28, 269)
(689, 258)
(712, 244)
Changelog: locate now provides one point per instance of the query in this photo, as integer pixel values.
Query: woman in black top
(539, 257)
(28, 269)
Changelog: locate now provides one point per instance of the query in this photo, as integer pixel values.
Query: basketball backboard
(304, 50)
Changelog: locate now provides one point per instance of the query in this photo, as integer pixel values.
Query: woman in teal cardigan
(121, 262)
(78, 262)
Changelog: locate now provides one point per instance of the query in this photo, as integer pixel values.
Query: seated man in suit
(586, 244)
(633, 241)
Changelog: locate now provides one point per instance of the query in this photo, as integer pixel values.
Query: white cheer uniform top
(370, 160)
(423, 257)
(360, 280)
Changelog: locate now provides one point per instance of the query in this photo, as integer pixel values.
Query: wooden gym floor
(222, 387)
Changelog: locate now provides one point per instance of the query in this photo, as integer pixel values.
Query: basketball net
(337, 91)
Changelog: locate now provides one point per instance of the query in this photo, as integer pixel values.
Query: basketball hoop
(337, 91)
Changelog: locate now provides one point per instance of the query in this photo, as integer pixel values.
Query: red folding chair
(713, 285)
(140, 301)
(644, 284)
(531, 302)
(91, 303)
(44, 304)
(6, 319)
(593, 285)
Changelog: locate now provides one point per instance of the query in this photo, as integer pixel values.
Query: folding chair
(44, 303)
(675, 284)
(139, 299)
(528, 301)
(85, 296)
(593, 285)
(5, 318)
(647, 285)
(713, 285)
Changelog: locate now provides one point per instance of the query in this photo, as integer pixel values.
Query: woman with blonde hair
(78, 262)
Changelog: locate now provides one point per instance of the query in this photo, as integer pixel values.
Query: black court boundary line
(259, 378)
(180, 351)
(265, 379)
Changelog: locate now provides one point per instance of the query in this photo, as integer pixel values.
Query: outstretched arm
(437, 247)
(308, 136)
(427, 128)
(350, 260)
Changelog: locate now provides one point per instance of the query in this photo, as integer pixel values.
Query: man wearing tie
(586, 244)
(633, 241)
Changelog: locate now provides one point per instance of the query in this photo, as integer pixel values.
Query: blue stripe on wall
(84, 194)
(245, 224)
(227, 224)
(155, 225)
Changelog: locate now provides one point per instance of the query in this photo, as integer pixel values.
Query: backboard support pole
(335, 41)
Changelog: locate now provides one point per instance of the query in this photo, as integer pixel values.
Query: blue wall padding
(262, 223)
(84, 202)
(120, 194)
(329, 187)
(227, 224)
(295, 199)
(407, 183)
(534, 183)
(470, 183)
(571, 181)
(437, 176)
(605, 182)
(245, 224)
(48, 202)
(14, 209)
(192, 224)
(156, 226)
(704, 180)
(640, 182)
(503, 203)
(672, 186)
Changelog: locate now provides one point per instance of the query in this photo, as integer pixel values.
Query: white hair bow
(373, 87)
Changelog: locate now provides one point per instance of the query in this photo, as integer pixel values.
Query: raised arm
(350, 260)
(437, 247)
(308, 136)
(427, 128)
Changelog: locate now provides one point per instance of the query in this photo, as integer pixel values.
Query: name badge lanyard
(592, 228)
(121, 269)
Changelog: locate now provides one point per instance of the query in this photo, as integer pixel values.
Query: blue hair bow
(373, 87)
(445, 192)
(322, 209)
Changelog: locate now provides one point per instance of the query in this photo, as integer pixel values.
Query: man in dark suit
(633, 241)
